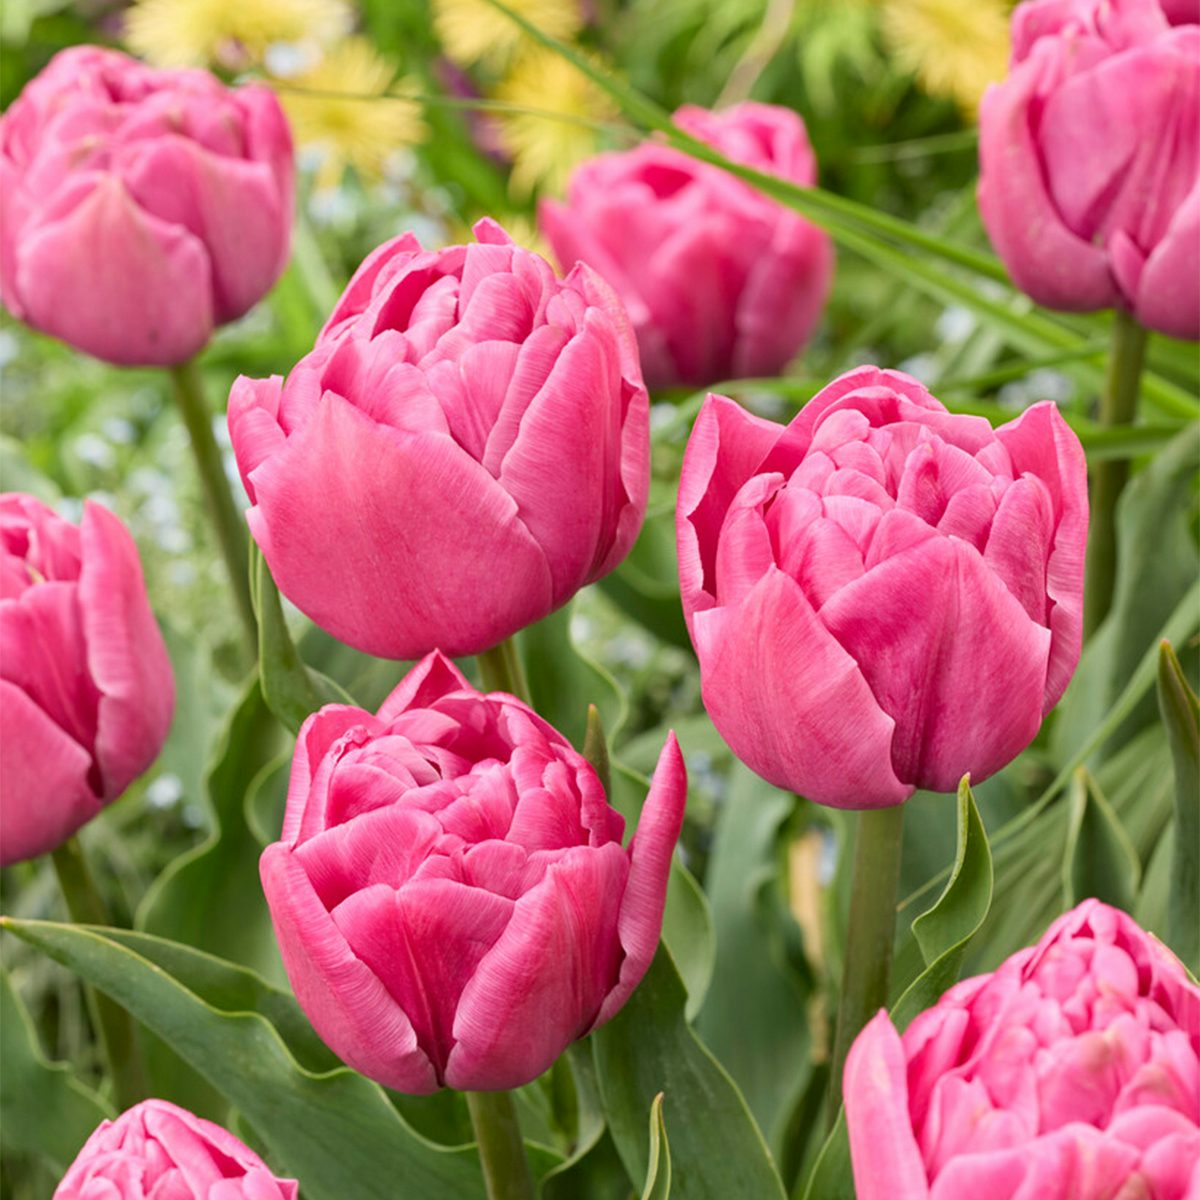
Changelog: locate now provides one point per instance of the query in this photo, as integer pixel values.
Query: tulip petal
(413, 510)
(1168, 295)
(253, 419)
(347, 1004)
(432, 678)
(771, 655)
(44, 786)
(126, 656)
(542, 984)
(305, 811)
(950, 653)
(887, 1163)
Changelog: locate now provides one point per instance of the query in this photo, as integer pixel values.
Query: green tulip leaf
(658, 1173)
(832, 1175)
(648, 1048)
(1181, 719)
(1099, 859)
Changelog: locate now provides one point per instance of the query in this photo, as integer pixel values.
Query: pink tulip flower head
(1090, 160)
(883, 595)
(158, 1150)
(1071, 1073)
(720, 280)
(140, 208)
(466, 447)
(86, 690)
(450, 894)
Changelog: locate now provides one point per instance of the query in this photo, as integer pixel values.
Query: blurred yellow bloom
(555, 130)
(351, 108)
(474, 30)
(195, 33)
(954, 48)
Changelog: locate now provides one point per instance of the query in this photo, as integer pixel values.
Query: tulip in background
(450, 894)
(720, 281)
(883, 595)
(140, 208)
(156, 1149)
(1090, 160)
(466, 446)
(86, 690)
(1071, 1073)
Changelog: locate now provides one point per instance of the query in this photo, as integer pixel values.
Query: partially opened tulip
(883, 595)
(140, 208)
(158, 1150)
(1071, 1073)
(466, 446)
(86, 690)
(450, 893)
(720, 280)
(1090, 159)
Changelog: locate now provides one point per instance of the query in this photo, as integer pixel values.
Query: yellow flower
(474, 30)
(195, 33)
(349, 107)
(555, 127)
(954, 47)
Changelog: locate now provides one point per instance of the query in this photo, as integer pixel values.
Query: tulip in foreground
(720, 280)
(156, 1149)
(140, 208)
(1090, 160)
(466, 446)
(1071, 1073)
(450, 894)
(883, 595)
(86, 690)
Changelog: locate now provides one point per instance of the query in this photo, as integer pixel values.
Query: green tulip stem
(501, 670)
(870, 933)
(113, 1025)
(501, 1147)
(228, 521)
(1118, 406)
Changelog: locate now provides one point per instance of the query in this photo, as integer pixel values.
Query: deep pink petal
(253, 419)
(429, 680)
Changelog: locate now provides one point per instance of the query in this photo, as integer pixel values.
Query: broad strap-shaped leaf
(717, 1149)
(658, 1173)
(1181, 718)
(335, 1132)
(44, 1109)
(1098, 859)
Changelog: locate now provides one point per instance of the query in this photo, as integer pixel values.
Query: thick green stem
(1118, 406)
(870, 933)
(112, 1023)
(501, 670)
(501, 1147)
(228, 521)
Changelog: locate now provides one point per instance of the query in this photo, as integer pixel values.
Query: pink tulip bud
(1090, 160)
(466, 447)
(450, 894)
(720, 281)
(156, 1149)
(1071, 1073)
(883, 595)
(86, 691)
(139, 208)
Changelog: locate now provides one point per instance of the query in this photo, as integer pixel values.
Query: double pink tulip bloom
(720, 281)
(156, 1149)
(883, 595)
(140, 208)
(86, 690)
(1090, 160)
(466, 446)
(450, 894)
(1071, 1073)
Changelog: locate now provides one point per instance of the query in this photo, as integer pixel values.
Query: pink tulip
(156, 1150)
(1090, 160)
(720, 281)
(450, 895)
(883, 595)
(1071, 1073)
(466, 447)
(139, 208)
(86, 691)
